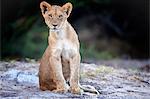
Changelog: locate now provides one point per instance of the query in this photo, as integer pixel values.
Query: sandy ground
(19, 80)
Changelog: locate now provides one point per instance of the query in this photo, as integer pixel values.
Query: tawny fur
(61, 61)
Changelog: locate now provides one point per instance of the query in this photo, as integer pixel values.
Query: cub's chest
(66, 48)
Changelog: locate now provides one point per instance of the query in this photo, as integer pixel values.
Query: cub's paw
(60, 91)
(76, 90)
(43, 88)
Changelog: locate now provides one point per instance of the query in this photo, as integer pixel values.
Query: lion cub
(61, 60)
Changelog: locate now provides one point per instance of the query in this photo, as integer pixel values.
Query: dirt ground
(19, 80)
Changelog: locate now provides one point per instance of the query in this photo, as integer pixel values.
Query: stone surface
(19, 80)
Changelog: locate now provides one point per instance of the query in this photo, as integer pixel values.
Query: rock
(11, 74)
(27, 78)
(20, 80)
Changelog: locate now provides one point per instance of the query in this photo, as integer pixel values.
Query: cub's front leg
(74, 76)
(55, 62)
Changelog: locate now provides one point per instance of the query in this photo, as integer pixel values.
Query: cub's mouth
(54, 28)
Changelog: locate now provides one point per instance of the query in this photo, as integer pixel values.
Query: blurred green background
(107, 29)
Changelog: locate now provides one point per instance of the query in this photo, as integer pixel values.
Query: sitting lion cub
(61, 60)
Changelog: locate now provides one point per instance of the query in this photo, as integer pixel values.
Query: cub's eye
(50, 15)
(60, 16)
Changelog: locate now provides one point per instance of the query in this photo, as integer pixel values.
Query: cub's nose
(54, 25)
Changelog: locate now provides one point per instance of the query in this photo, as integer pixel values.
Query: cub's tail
(88, 89)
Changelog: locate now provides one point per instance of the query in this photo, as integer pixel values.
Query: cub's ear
(44, 7)
(67, 8)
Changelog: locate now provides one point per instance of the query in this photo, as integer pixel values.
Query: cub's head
(55, 15)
